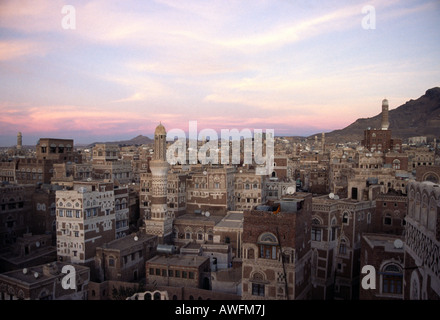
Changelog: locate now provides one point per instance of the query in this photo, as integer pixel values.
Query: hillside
(419, 117)
(139, 140)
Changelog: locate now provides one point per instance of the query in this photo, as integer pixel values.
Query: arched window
(157, 296)
(268, 246)
(258, 286)
(342, 247)
(316, 230)
(345, 218)
(396, 164)
(147, 296)
(387, 219)
(392, 279)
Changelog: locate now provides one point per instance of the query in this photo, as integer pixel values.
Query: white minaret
(385, 123)
(159, 222)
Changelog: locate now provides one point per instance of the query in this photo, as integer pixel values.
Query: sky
(105, 70)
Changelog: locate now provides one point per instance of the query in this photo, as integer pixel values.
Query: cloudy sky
(298, 67)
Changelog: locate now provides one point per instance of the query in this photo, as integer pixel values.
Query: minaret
(159, 222)
(323, 142)
(19, 141)
(385, 123)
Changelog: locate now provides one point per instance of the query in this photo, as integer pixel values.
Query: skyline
(297, 69)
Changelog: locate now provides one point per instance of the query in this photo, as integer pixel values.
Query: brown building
(385, 253)
(391, 209)
(15, 211)
(179, 271)
(43, 282)
(336, 229)
(276, 249)
(29, 250)
(422, 242)
(124, 259)
(428, 173)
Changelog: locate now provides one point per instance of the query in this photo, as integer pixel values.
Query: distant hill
(419, 117)
(139, 140)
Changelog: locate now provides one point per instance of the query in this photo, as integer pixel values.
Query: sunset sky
(298, 67)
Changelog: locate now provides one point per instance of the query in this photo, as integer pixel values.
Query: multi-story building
(385, 253)
(44, 282)
(85, 220)
(422, 242)
(43, 219)
(58, 150)
(124, 259)
(276, 249)
(380, 139)
(210, 188)
(15, 211)
(179, 271)
(336, 229)
(122, 211)
(248, 189)
(391, 209)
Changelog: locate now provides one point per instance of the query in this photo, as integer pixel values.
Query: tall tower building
(19, 141)
(323, 142)
(158, 221)
(385, 123)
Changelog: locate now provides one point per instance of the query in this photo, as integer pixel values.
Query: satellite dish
(136, 238)
(36, 275)
(37, 244)
(290, 190)
(205, 173)
(203, 213)
(25, 270)
(207, 214)
(241, 171)
(89, 179)
(331, 195)
(398, 244)
(336, 197)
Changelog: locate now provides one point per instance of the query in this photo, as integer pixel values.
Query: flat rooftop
(388, 241)
(179, 260)
(128, 241)
(34, 275)
(199, 217)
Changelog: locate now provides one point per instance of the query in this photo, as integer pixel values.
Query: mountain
(419, 117)
(139, 140)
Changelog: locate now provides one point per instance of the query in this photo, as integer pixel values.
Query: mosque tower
(385, 123)
(158, 222)
(19, 141)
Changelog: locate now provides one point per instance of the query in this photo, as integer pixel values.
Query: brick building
(43, 282)
(276, 249)
(422, 242)
(85, 220)
(179, 271)
(124, 259)
(336, 229)
(385, 253)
